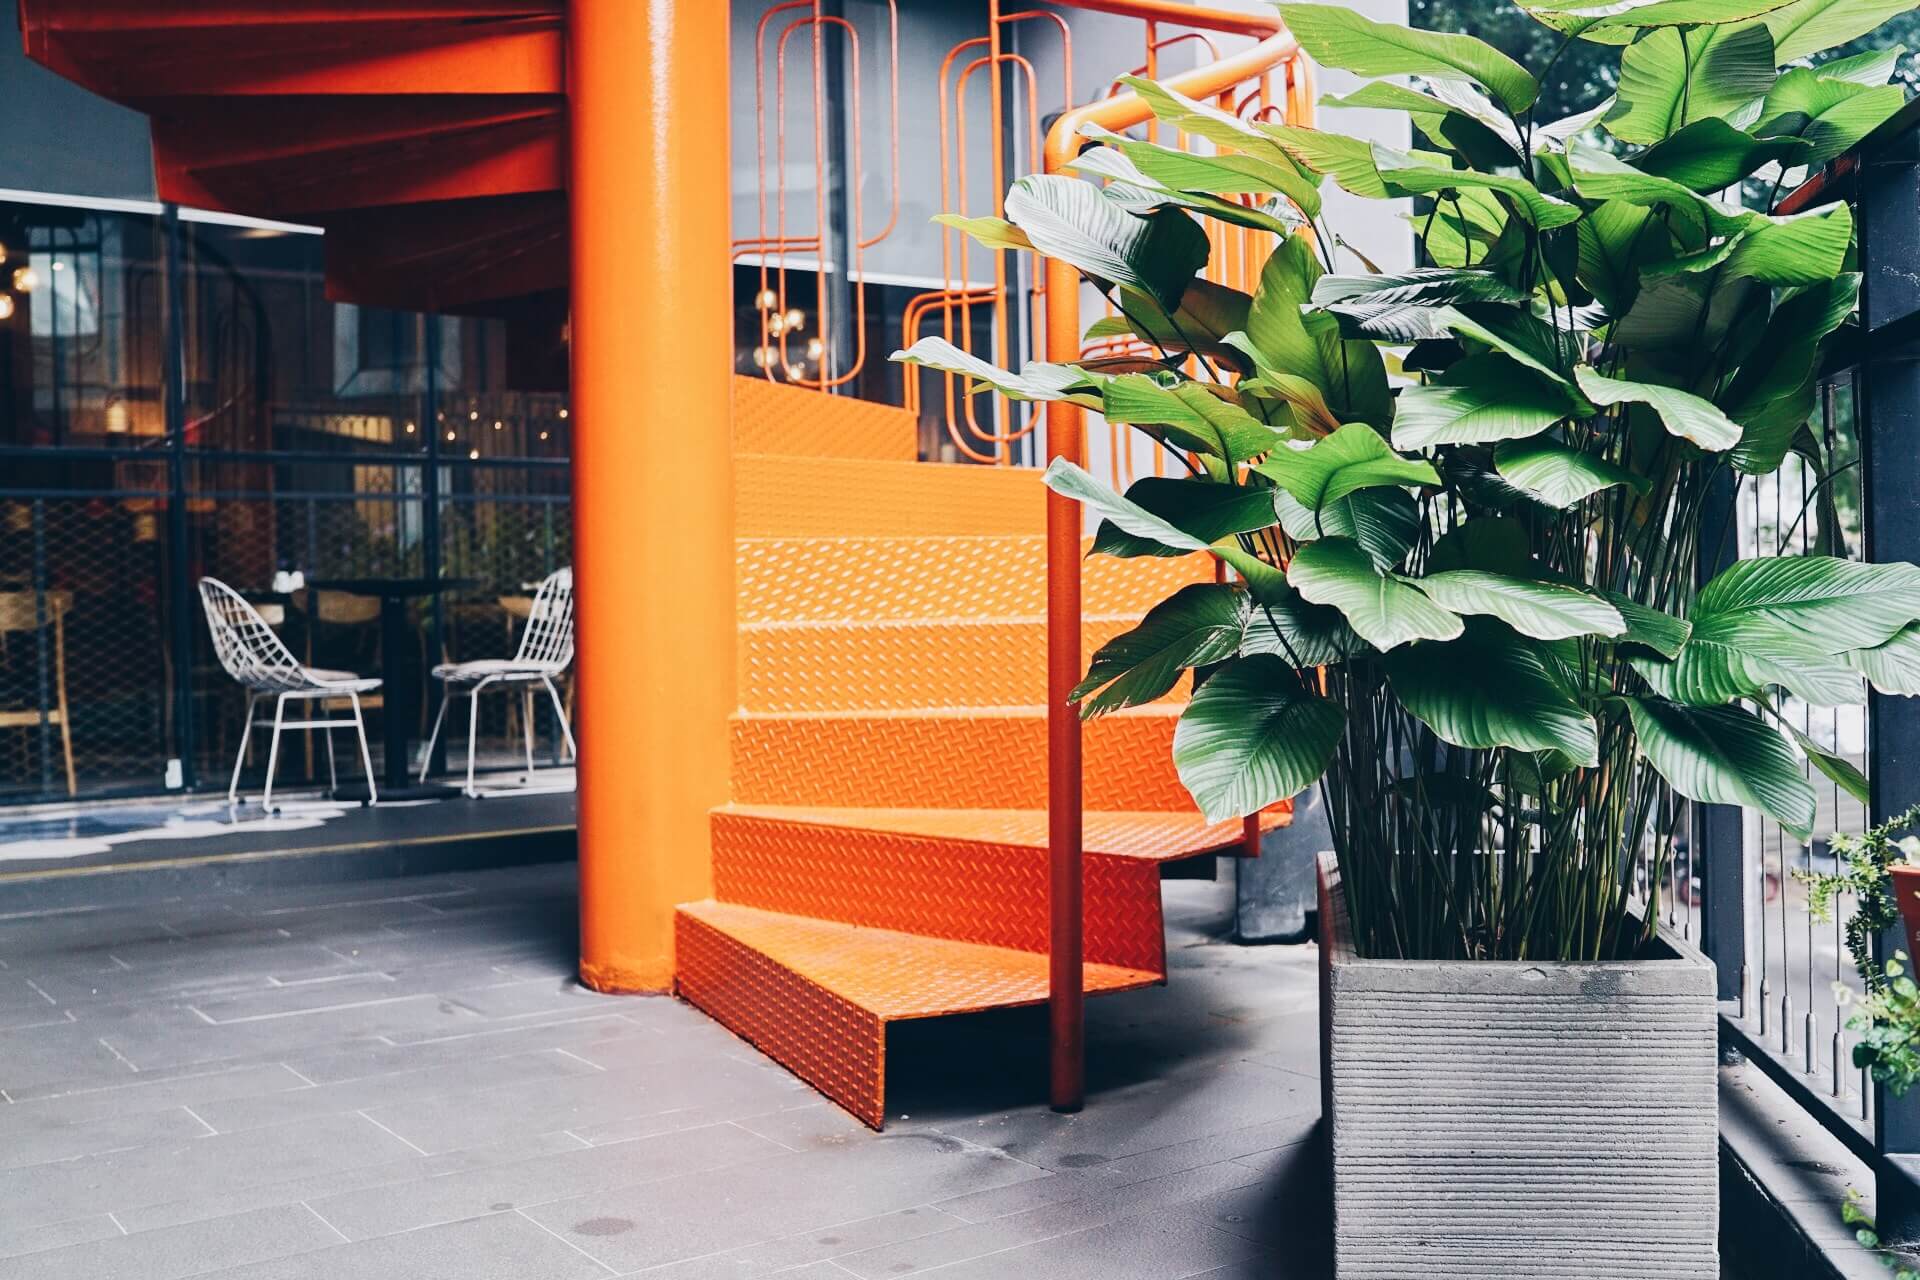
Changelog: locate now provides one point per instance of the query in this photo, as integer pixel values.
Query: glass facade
(179, 398)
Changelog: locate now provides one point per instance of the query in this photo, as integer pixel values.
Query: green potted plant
(1463, 505)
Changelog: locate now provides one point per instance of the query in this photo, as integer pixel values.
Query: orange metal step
(970, 758)
(903, 579)
(773, 418)
(951, 662)
(778, 496)
(816, 995)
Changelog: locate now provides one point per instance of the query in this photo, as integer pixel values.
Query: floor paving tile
(173, 1253)
(501, 1246)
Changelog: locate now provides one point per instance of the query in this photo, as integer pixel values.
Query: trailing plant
(1854, 1214)
(1888, 1017)
(1464, 503)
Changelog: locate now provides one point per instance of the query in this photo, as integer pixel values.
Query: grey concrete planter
(1518, 1120)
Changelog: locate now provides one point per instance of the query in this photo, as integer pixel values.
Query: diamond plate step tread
(898, 976)
(1145, 835)
(771, 418)
(777, 496)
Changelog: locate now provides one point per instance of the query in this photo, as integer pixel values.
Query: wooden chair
(28, 612)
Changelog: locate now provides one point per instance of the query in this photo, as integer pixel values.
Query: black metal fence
(178, 398)
(1786, 981)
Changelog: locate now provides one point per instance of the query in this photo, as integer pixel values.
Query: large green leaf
(991, 233)
(1383, 610)
(1193, 416)
(1203, 510)
(1070, 481)
(1347, 160)
(1386, 522)
(1840, 770)
(1650, 628)
(1281, 339)
(1809, 26)
(1421, 286)
(1405, 174)
(1711, 154)
(1731, 656)
(1807, 248)
(1352, 458)
(1219, 175)
(1725, 755)
(1516, 333)
(1559, 474)
(1282, 623)
(1892, 666)
(1195, 626)
(1037, 381)
(1482, 398)
(1833, 604)
(1686, 415)
(1253, 736)
(1543, 610)
(1674, 13)
(1492, 689)
(1207, 313)
(1614, 244)
(1339, 37)
(1775, 385)
(1669, 80)
(1599, 175)
(1830, 115)
(1070, 220)
(1223, 129)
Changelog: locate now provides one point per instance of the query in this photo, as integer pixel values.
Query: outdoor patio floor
(400, 1078)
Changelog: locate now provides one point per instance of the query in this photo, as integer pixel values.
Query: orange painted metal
(769, 417)
(654, 548)
(1066, 440)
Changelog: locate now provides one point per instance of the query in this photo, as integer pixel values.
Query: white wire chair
(261, 663)
(546, 650)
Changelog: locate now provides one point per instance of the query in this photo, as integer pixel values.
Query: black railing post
(430, 524)
(42, 626)
(1716, 837)
(180, 582)
(1890, 498)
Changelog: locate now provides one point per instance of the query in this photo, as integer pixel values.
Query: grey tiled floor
(400, 1079)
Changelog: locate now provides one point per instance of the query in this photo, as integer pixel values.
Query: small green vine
(1856, 1216)
(1888, 1020)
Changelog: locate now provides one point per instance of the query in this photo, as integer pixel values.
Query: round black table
(400, 677)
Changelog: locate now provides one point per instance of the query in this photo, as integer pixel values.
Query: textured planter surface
(1518, 1120)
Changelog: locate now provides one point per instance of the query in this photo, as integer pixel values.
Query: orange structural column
(652, 485)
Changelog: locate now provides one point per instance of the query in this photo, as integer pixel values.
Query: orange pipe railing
(1066, 438)
(1241, 83)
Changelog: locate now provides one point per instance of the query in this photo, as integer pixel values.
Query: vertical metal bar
(42, 625)
(1889, 417)
(840, 312)
(1717, 846)
(430, 521)
(180, 593)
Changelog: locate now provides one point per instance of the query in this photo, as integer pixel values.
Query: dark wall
(55, 136)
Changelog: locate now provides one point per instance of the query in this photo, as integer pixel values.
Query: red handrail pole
(1066, 438)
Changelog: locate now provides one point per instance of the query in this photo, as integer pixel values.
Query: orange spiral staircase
(885, 854)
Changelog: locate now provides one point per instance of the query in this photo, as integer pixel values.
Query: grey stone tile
(1157, 1245)
(211, 1165)
(53, 1139)
(175, 1252)
(485, 1040)
(139, 1093)
(694, 1215)
(501, 1246)
(166, 1037)
(346, 990)
(68, 1052)
(803, 1253)
(463, 1082)
(335, 1182)
(969, 1241)
(56, 1235)
(406, 1206)
(673, 1083)
(806, 1127)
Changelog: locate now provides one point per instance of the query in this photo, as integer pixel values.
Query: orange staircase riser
(890, 666)
(978, 759)
(964, 890)
(901, 579)
(783, 496)
(772, 418)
